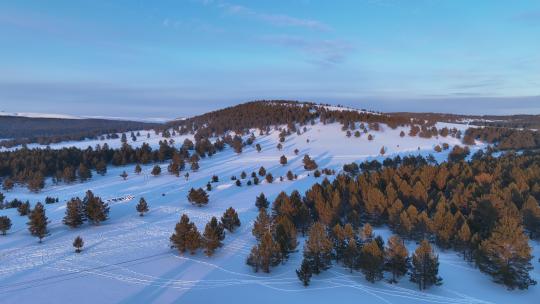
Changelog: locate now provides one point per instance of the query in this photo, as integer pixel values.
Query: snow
(153, 141)
(127, 258)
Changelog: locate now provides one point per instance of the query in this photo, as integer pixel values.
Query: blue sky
(182, 57)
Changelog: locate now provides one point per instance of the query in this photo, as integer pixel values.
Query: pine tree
(366, 234)
(262, 202)
(142, 207)
(462, 242)
(38, 222)
(186, 237)
(372, 261)
(339, 240)
(283, 160)
(531, 217)
(318, 249)
(156, 170)
(264, 255)
(261, 225)
(506, 255)
(212, 236)
(198, 197)
(75, 213)
(285, 236)
(304, 273)
(425, 266)
(262, 171)
(7, 184)
(351, 254)
(396, 258)
(24, 209)
(230, 219)
(78, 243)
(124, 175)
(138, 169)
(84, 172)
(5, 224)
(96, 210)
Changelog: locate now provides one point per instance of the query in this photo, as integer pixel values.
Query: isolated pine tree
(78, 243)
(198, 197)
(75, 213)
(262, 202)
(425, 266)
(304, 273)
(230, 219)
(156, 170)
(283, 160)
(372, 261)
(38, 222)
(506, 255)
(318, 249)
(5, 224)
(138, 169)
(212, 236)
(96, 210)
(186, 237)
(142, 206)
(124, 175)
(396, 258)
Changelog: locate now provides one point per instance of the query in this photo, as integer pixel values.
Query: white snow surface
(128, 259)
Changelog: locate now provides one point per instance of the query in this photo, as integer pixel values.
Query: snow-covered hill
(127, 259)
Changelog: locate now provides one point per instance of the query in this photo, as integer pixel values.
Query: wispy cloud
(275, 19)
(324, 52)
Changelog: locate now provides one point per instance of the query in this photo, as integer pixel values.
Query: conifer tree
(198, 197)
(372, 261)
(156, 170)
(142, 206)
(186, 237)
(351, 254)
(304, 273)
(84, 172)
(396, 258)
(5, 224)
(261, 225)
(124, 175)
(531, 217)
(212, 236)
(138, 169)
(265, 254)
(283, 160)
(38, 222)
(318, 248)
(462, 242)
(262, 202)
(506, 255)
(425, 266)
(96, 210)
(230, 219)
(285, 236)
(75, 213)
(24, 209)
(78, 243)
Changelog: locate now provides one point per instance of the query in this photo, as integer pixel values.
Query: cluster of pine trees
(480, 208)
(186, 236)
(91, 208)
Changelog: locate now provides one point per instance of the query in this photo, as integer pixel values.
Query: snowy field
(127, 258)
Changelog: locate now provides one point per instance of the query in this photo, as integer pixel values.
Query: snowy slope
(127, 259)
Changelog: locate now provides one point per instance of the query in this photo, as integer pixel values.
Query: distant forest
(25, 130)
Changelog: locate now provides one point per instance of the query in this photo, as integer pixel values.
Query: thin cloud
(324, 52)
(273, 19)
